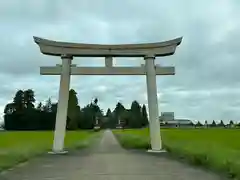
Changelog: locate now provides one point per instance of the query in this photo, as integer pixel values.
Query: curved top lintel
(39, 41)
(57, 48)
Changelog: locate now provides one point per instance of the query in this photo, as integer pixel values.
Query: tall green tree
(108, 113)
(231, 124)
(9, 108)
(96, 109)
(119, 108)
(95, 101)
(48, 106)
(117, 114)
(221, 124)
(87, 117)
(18, 101)
(108, 120)
(213, 124)
(29, 98)
(144, 116)
(40, 106)
(206, 123)
(97, 112)
(73, 110)
(126, 118)
(136, 115)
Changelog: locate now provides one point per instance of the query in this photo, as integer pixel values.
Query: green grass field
(16, 147)
(216, 149)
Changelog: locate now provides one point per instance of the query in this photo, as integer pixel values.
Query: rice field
(216, 149)
(16, 147)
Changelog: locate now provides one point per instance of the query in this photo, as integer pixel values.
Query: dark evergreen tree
(9, 108)
(221, 124)
(48, 106)
(199, 124)
(144, 116)
(108, 113)
(135, 121)
(206, 123)
(231, 124)
(40, 106)
(117, 114)
(18, 101)
(29, 99)
(73, 110)
(213, 124)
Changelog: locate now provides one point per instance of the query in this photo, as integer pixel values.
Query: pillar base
(156, 151)
(58, 152)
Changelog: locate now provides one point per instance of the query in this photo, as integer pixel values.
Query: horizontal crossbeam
(56, 70)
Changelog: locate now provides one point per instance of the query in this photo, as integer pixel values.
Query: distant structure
(167, 119)
(167, 116)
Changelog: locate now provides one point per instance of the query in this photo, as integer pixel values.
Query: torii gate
(67, 51)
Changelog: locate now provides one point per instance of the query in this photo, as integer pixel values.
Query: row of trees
(214, 124)
(21, 114)
(135, 117)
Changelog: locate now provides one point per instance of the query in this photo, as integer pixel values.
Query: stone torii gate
(67, 51)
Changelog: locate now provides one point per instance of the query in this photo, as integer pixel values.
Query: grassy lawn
(17, 147)
(216, 149)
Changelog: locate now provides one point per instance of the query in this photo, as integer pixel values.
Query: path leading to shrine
(107, 160)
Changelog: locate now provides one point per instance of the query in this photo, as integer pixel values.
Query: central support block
(108, 61)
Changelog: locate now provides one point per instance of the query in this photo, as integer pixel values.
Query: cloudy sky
(207, 80)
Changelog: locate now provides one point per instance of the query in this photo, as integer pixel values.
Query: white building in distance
(168, 119)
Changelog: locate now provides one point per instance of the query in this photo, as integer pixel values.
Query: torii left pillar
(155, 135)
(60, 125)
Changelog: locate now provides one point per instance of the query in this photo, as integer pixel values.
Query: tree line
(21, 114)
(206, 124)
(230, 124)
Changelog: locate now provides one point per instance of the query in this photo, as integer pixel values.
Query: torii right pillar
(154, 124)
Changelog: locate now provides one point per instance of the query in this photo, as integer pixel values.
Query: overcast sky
(207, 80)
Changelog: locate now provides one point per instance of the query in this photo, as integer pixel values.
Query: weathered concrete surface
(106, 161)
